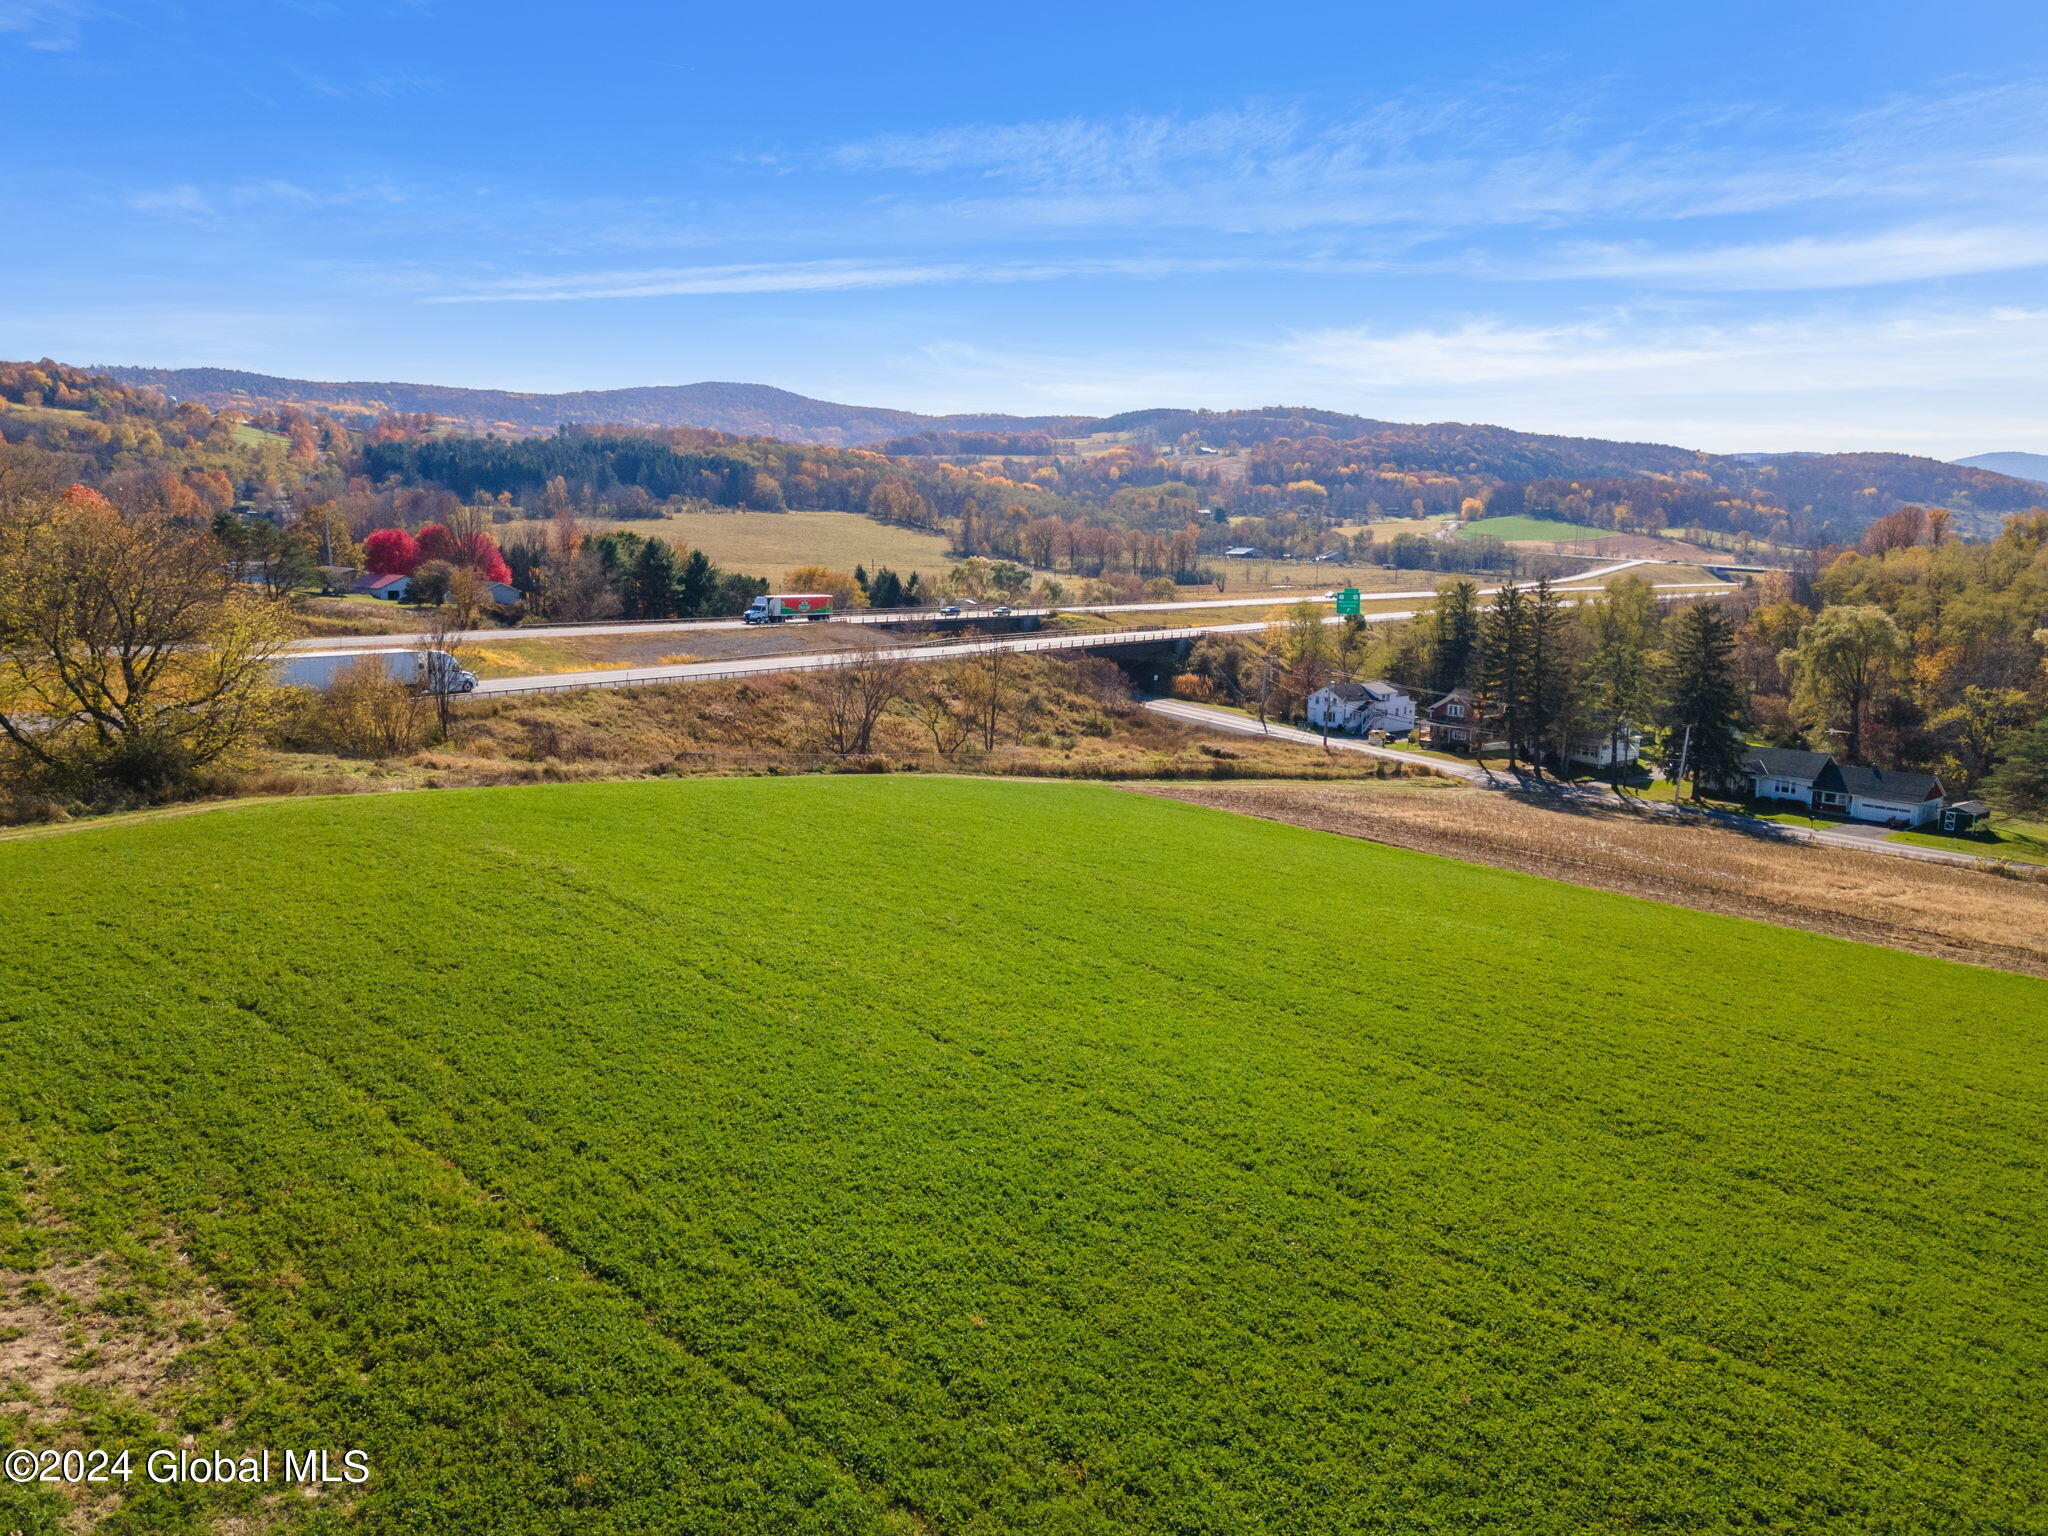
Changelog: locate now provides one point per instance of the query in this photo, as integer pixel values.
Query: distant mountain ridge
(747, 410)
(1283, 443)
(2021, 466)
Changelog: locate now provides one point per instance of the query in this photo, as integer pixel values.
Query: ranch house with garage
(1854, 791)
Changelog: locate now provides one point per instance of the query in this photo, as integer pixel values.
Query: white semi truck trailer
(436, 671)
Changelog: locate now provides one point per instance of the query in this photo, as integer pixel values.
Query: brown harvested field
(1956, 913)
(534, 653)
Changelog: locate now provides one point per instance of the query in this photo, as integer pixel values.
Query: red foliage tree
(391, 552)
(478, 552)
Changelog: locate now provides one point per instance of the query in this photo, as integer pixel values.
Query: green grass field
(1520, 530)
(931, 1156)
(772, 543)
(2024, 842)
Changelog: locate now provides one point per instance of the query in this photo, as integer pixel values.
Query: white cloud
(384, 87)
(1907, 254)
(49, 25)
(1944, 383)
(823, 276)
(268, 194)
(1834, 352)
(1482, 158)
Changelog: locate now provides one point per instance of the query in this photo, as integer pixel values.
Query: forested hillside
(1147, 494)
(753, 410)
(1270, 461)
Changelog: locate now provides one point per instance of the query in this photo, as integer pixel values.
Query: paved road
(552, 682)
(899, 616)
(630, 677)
(1862, 840)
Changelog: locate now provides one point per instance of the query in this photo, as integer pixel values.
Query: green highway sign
(1347, 601)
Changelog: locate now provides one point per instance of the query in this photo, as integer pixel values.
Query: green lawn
(916, 1155)
(2022, 842)
(1519, 529)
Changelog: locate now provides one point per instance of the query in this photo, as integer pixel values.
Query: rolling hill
(1280, 443)
(662, 1157)
(2021, 466)
(747, 410)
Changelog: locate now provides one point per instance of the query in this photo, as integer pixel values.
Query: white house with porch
(1358, 708)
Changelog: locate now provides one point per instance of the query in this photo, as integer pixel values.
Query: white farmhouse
(1607, 751)
(1362, 707)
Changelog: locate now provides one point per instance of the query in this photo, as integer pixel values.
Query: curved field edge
(869, 1154)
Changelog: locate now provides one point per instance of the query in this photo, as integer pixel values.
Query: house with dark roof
(1863, 793)
(1852, 790)
(1783, 773)
(1362, 707)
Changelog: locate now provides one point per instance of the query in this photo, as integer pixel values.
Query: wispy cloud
(49, 25)
(1911, 253)
(1461, 161)
(1947, 382)
(188, 200)
(1836, 351)
(828, 276)
(382, 87)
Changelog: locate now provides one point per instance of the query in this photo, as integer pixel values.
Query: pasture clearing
(911, 1155)
(1521, 529)
(771, 544)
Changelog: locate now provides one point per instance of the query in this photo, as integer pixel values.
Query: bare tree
(446, 630)
(990, 676)
(938, 702)
(852, 696)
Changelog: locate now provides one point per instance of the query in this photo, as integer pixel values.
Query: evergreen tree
(1701, 693)
(696, 584)
(736, 591)
(1552, 676)
(650, 586)
(1453, 635)
(885, 589)
(913, 591)
(1503, 670)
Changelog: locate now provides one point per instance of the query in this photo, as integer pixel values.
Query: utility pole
(1265, 677)
(1684, 751)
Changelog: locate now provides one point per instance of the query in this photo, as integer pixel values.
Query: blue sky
(1733, 225)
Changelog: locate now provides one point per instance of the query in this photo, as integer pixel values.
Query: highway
(903, 616)
(698, 671)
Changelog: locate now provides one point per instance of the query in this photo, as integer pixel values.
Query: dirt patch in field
(79, 1332)
(1978, 916)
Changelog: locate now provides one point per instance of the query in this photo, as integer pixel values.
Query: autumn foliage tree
(391, 552)
(130, 657)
